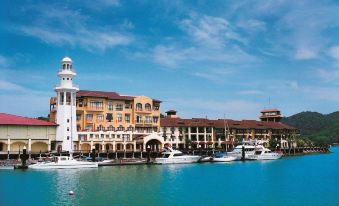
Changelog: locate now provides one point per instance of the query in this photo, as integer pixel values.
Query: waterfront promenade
(300, 180)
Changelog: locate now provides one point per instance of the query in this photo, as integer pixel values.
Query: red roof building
(10, 119)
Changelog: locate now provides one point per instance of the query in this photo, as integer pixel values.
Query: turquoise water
(303, 180)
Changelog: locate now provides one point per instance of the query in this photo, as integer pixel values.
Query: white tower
(66, 106)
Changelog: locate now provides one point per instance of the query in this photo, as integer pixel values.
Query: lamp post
(93, 154)
(148, 154)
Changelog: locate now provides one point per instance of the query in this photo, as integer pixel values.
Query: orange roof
(10, 119)
(270, 110)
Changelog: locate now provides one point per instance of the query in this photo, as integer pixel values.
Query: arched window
(64, 66)
(148, 107)
(110, 128)
(138, 107)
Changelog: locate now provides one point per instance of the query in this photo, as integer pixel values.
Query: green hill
(319, 128)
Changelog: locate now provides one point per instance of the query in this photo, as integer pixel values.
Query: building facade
(106, 121)
(17, 132)
(221, 133)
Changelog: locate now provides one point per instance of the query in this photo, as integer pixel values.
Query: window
(130, 128)
(128, 118)
(78, 117)
(119, 117)
(96, 105)
(138, 107)
(67, 120)
(100, 117)
(89, 128)
(64, 66)
(148, 107)
(68, 98)
(148, 119)
(89, 117)
(81, 102)
(67, 137)
(67, 129)
(128, 106)
(149, 130)
(100, 128)
(118, 107)
(110, 105)
(110, 128)
(109, 117)
(156, 107)
(61, 98)
(139, 119)
(155, 119)
(120, 128)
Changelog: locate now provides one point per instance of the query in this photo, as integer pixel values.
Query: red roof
(270, 110)
(108, 95)
(220, 123)
(10, 119)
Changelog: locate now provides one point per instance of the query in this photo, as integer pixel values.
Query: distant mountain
(319, 128)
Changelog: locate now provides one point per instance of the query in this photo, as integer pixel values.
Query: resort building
(17, 132)
(107, 121)
(205, 133)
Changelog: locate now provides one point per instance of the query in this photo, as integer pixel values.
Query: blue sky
(202, 58)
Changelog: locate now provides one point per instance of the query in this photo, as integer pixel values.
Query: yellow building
(17, 132)
(113, 122)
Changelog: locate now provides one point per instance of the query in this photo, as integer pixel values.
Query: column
(134, 146)
(144, 147)
(189, 133)
(9, 144)
(205, 134)
(103, 146)
(114, 146)
(49, 145)
(91, 145)
(29, 145)
(197, 134)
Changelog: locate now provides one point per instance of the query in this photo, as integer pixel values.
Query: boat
(248, 149)
(172, 156)
(264, 154)
(63, 162)
(222, 157)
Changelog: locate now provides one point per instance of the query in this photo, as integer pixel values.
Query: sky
(201, 58)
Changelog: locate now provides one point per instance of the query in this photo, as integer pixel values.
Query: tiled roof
(10, 119)
(108, 95)
(220, 123)
(270, 110)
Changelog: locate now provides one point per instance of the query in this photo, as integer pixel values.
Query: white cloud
(169, 56)
(306, 53)
(210, 31)
(11, 87)
(61, 26)
(327, 75)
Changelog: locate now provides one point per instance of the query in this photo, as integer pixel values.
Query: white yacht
(222, 157)
(264, 154)
(249, 150)
(172, 156)
(63, 162)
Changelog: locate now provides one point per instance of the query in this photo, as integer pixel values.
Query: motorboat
(264, 154)
(63, 162)
(172, 156)
(222, 157)
(248, 149)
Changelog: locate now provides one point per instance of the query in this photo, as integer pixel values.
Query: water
(303, 180)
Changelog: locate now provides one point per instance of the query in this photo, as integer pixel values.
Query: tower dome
(66, 59)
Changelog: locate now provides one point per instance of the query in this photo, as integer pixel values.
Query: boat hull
(264, 157)
(53, 165)
(224, 159)
(177, 160)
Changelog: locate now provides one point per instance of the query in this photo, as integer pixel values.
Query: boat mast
(225, 133)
